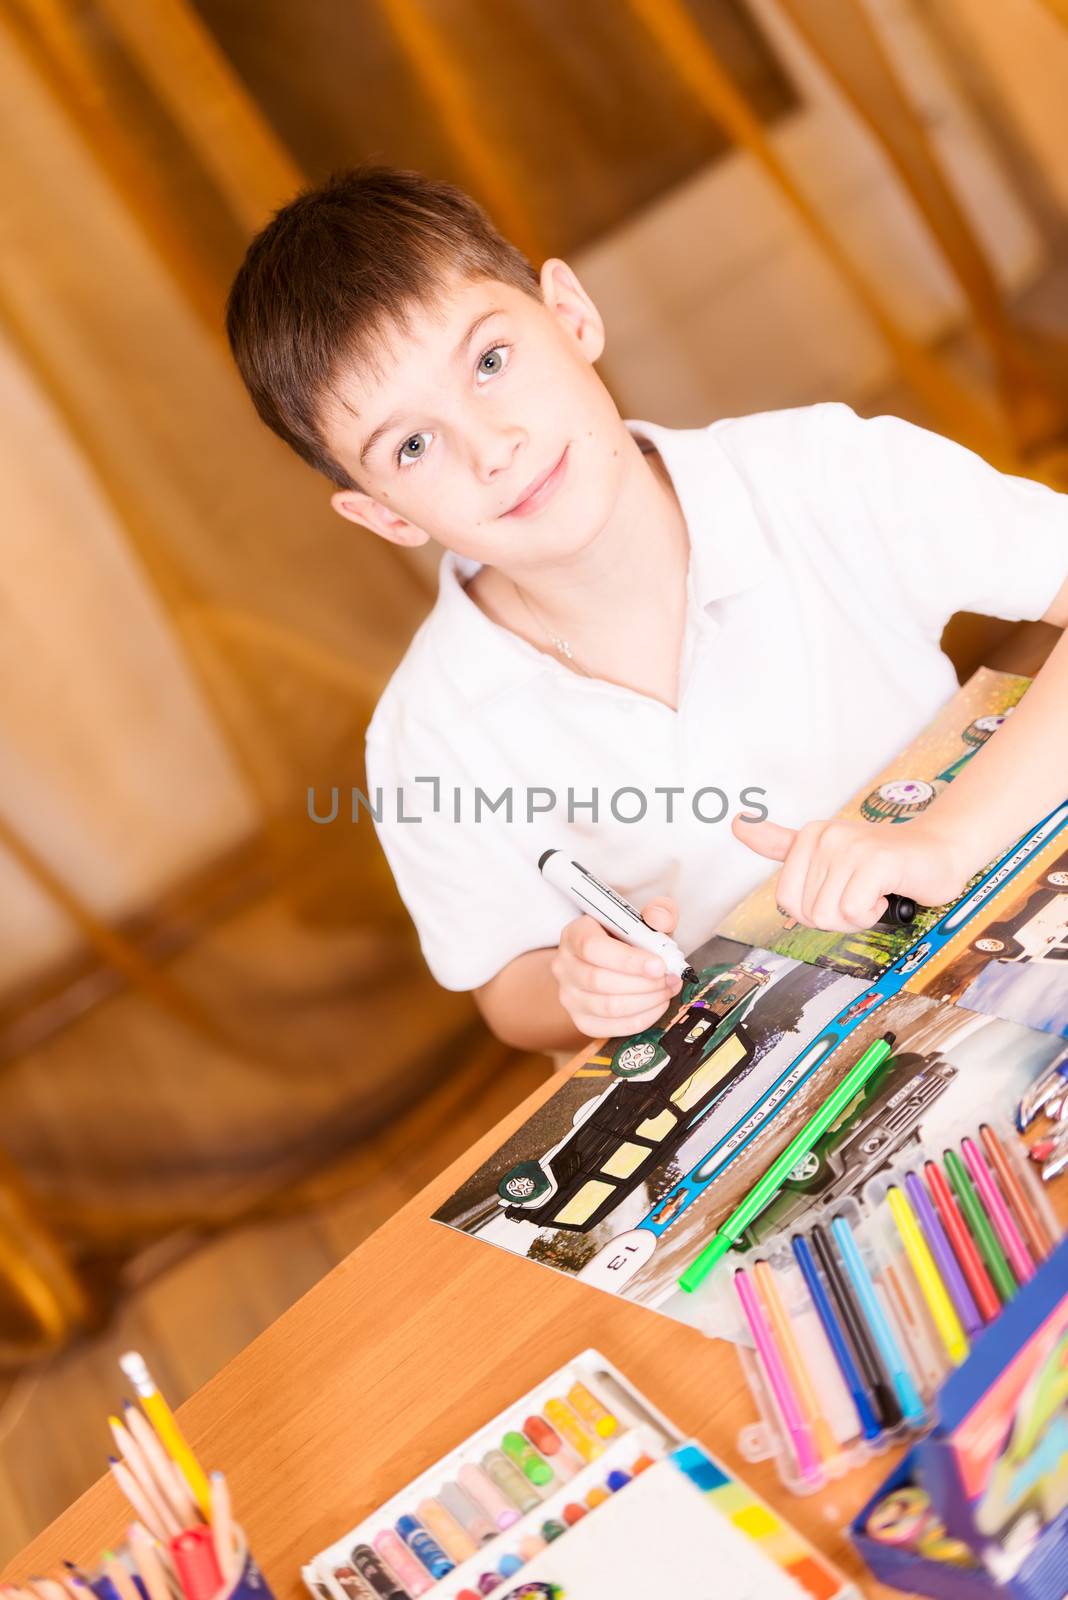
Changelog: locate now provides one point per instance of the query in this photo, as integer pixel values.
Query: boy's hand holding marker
(607, 987)
(617, 966)
(837, 875)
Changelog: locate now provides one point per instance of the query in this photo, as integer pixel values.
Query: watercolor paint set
(847, 1329)
(566, 1491)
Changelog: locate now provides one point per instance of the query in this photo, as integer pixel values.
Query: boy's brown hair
(332, 272)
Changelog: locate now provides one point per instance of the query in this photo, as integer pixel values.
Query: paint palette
(549, 1492)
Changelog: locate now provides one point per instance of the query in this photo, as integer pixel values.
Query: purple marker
(940, 1248)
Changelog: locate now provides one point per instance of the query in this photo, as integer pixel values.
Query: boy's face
(500, 440)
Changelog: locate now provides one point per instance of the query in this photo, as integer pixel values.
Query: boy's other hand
(607, 987)
(836, 875)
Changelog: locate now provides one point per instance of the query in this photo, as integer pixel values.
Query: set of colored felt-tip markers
(847, 1329)
(184, 1544)
(480, 1516)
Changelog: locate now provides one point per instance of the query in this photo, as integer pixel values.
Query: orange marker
(811, 1410)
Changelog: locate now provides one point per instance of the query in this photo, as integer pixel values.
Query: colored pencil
(768, 1186)
(964, 1248)
(998, 1212)
(222, 1526)
(164, 1471)
(893, 1360)
(778, 1382)
(811, 1409)
(120, 1579)
(980, 1227)
(1034, 1228)
(48, 1588)
(942, 1250)
(135, 1460)
(136, 1497)
(853, 1317)
(943, 1312)
(146, 1554)
(163, 1420)
(863, 1399)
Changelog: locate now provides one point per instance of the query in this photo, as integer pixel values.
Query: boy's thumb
(661, 914)
(766, 838)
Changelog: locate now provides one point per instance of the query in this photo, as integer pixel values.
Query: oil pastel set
(579, 1489)
(764, 1097)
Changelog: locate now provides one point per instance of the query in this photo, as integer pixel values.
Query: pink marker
(998, 1212)
(778, 1381)
(482, 1489)
(411, 1573)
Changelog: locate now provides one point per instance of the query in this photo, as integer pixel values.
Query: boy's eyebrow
(398, 416)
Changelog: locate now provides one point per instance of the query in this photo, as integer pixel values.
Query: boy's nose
(494, 451)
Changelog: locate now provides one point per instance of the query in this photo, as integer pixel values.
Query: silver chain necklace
(560, 645)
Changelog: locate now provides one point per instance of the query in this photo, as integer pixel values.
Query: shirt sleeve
(949, 531)
(471, 886)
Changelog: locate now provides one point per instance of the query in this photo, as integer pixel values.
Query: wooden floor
(197, 1309)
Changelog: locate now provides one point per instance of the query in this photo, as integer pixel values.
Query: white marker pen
(612, 911)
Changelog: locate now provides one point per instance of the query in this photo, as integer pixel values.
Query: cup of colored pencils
(183, 1543)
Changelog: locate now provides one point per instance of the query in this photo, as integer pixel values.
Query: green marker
(979, 1224)
(771, 1182)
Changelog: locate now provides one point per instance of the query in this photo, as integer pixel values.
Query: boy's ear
(567, 299)
(355, 506)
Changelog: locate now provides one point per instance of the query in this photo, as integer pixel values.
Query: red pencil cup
(197, 1568)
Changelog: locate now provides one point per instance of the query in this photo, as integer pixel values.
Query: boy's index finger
(602, 949)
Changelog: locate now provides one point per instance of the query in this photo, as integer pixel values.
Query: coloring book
(626, 1171)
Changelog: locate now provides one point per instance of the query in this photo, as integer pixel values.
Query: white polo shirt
(827, 554)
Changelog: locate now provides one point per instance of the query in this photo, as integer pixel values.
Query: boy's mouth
(536, 494)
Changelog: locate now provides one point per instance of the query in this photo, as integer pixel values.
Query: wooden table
(412, 1343)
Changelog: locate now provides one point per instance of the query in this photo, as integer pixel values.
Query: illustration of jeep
(1039, 932)
(901, 799)
(883, 1118)
(665, 1085)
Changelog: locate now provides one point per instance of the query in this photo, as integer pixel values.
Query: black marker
(615, 914)
(857, 1328)
(900, 911)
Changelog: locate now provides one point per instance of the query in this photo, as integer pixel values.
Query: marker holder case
(769, 1439)
(642, 1430)
(901, 1299)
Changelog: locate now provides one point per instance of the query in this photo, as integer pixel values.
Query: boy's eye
(413, 448)
(493, 361)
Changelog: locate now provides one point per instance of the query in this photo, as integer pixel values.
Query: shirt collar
(728, 554)
(728, 547)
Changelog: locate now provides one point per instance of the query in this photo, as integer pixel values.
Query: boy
(638, 630)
